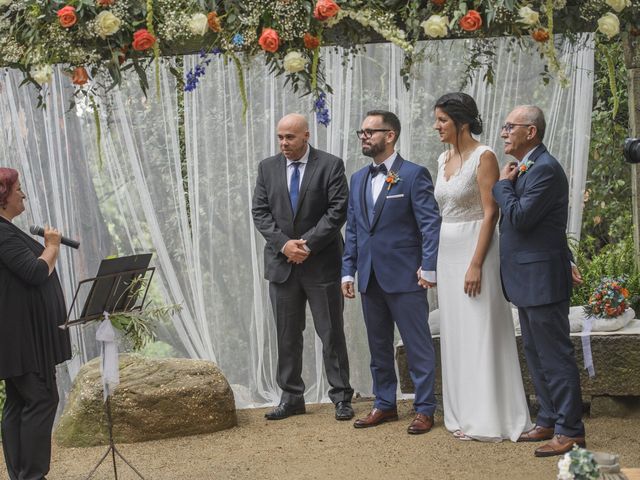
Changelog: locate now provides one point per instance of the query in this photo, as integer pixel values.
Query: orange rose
(471, 22)
(523, 168)
(310, 41)
(540, 35)
(80, 76)
(105, 3)
(269, 40)
(143, 40)
(214, 22)
(325, 9)
(67, 16)
(625, 292)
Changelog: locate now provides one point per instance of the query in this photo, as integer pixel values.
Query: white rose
(618, 5)
(609, 25)
(528, 16)
(107, 24)
(563, 468)
(198, 24)
(294, 62)
(41, 73)
(436, 26)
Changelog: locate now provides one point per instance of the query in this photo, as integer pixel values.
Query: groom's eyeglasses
(368, 133)
(507, 127)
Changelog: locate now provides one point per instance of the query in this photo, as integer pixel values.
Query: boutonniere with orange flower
(524, 167)
(392, 179)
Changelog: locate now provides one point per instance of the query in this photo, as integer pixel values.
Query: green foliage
(607, 214)
(137, 325)
(158, 350)
(612, 260)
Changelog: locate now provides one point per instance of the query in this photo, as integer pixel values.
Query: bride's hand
(472, 280)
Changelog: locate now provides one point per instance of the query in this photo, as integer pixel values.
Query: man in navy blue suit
(537, 276)
(392, 231)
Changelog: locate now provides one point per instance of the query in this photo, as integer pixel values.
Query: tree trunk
(632, 61)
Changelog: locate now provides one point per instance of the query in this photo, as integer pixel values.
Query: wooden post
(632, 61)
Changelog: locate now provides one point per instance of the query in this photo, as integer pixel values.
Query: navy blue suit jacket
(534, 255)
(404, 233)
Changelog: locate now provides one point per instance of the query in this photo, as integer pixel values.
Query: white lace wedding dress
(482, 387)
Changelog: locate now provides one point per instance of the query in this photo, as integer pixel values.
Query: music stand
(112, 291)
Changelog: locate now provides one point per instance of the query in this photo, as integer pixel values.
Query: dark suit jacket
(403, 236)
(321, 212)
(534, 255)
(31, 308)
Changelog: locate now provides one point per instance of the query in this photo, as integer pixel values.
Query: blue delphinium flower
(193, 76)
(321, 109)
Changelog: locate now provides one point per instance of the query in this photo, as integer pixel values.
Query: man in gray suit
(299, 206)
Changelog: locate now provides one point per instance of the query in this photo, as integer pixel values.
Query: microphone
(35, 230)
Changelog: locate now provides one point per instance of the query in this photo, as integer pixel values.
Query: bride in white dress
(483, 395)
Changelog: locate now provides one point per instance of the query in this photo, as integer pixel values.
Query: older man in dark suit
(299, 206)
(537, 276)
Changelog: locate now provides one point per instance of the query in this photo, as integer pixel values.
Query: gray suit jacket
(321, 212)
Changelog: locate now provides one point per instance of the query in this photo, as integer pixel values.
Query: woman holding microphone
(32, 308)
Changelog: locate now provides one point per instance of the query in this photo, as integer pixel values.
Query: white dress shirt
(302, 162)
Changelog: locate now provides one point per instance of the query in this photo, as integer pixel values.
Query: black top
(31, 309)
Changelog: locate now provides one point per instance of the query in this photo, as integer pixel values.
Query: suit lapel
(539, 150)
(309, 171)
(282, 188)
(382, 198)
(363, 192)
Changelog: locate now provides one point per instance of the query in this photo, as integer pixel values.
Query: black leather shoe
(285, 410)
(344, 411)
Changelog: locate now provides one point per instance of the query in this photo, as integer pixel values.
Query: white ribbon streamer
(109, 367)
(586, 345)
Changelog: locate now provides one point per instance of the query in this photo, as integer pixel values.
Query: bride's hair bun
(476, 125)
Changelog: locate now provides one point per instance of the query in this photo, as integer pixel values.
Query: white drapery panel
(211, 262)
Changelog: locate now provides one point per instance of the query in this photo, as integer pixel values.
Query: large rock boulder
(156, 398)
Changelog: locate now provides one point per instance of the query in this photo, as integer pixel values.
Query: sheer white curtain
(211, 261)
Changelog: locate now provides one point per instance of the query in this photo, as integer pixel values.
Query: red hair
(8, 178)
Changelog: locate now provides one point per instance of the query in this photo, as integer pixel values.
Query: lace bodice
(459, 197)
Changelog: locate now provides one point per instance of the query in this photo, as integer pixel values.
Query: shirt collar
(389, 161)
(304, 159)
(526, 157)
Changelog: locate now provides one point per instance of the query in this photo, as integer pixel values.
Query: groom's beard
(373, 149)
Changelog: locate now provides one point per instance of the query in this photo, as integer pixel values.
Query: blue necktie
(294, 186)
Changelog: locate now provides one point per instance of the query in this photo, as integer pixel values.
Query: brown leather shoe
(559, 445)
(536, 434)
(376, 417)
(421, 424)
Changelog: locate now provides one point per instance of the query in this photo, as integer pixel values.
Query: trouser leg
(326, 304)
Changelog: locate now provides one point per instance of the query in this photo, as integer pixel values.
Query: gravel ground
(315, 446)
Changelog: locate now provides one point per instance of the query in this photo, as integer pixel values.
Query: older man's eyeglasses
(507, 127)
(368, 133)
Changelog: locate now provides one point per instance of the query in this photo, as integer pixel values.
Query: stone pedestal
(615, 390)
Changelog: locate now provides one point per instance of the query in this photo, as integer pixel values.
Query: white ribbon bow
(109, 367)
(586, 345)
